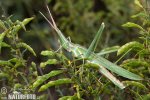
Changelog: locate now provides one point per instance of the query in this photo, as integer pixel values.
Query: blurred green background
(77, 19)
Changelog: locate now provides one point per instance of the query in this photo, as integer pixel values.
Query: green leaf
(74, 97)
(135, 63)
(141, 14)
(24, 45)
(3, 75)
(66, 98)
(137, 84)
(2, 35)
(55, 83)
(146, 97)
(5, 45)
(21, 24)
(5, 63)
(19, 63)
(138, 3)
(14, 60)
(17, 86)
(47, 53)
(2, 25)
(16, 28)
(50, 61)
(42, 79)
(134, 45)
(91, 65)
(130, 24)
(108, 50)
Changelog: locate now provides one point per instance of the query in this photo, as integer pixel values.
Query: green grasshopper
(91, 57)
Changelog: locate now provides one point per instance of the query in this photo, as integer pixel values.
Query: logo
(3, 90)
(16, 95)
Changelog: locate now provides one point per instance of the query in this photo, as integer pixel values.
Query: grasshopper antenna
(47, 20)
(52, 23)
(51, 17)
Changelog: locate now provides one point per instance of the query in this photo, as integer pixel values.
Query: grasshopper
(91, 57)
